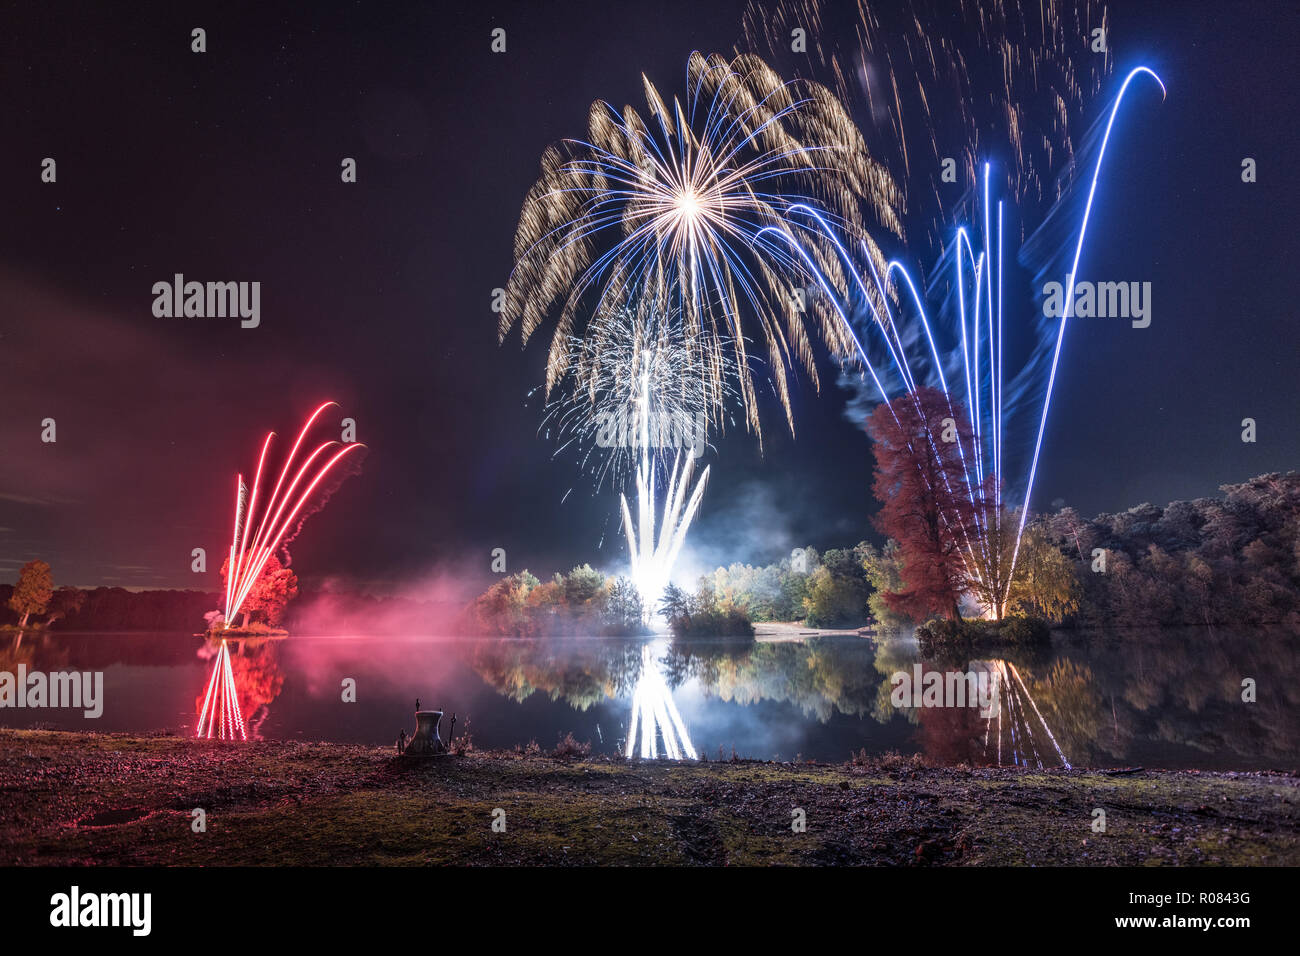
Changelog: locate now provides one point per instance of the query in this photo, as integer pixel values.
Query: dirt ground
(119, 799)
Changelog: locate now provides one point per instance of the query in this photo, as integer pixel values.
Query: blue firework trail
(980, 344)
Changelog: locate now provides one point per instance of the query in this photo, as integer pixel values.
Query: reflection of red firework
(247, 559)
(254, 671)
(221, 704)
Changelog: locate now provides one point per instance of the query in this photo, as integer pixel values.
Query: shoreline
(120, 799)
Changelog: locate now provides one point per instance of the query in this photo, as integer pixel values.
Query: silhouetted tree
(67, 600)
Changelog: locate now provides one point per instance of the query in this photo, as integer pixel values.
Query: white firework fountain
(644, 393)
(655, 540)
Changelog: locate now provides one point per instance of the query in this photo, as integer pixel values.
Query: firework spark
(643, 398)
(974, 80)
(676, 206)
(934, 79)
(637, 362)
(278, 513)
(654, 555)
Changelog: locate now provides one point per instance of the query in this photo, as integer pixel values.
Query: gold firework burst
(689, 206)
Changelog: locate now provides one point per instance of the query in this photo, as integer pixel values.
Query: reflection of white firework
(654, 715)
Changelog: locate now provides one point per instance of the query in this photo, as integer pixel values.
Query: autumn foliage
(275, 587)
(920, 480)
(33, 592)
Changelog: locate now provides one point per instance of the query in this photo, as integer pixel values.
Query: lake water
(1169, 699)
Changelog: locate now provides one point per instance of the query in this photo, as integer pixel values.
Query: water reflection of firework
(220, 712)
(655, 717)
(1022, 745)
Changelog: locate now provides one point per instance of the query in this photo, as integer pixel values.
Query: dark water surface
(1170, 698)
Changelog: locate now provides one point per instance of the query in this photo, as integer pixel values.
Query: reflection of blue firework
(1011, 694)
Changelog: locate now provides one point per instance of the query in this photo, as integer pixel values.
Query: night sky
(225, 166)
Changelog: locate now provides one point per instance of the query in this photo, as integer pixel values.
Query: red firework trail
(248, 559)
(221, 703)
